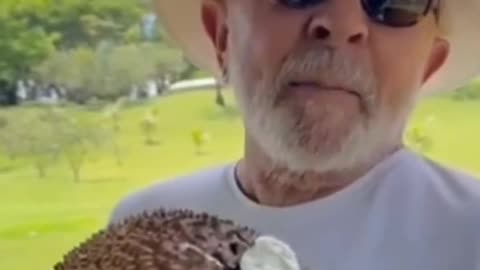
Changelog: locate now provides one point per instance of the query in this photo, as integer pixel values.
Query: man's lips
(318, 86)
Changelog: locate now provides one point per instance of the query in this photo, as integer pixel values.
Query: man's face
(323, 88)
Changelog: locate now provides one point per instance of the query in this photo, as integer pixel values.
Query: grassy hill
(40, 219)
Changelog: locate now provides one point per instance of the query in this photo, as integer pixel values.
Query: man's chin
(306, 141)
(303, 155)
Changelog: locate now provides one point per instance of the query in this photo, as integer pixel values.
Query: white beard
(276, 130)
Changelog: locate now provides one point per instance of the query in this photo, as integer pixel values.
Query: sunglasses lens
(299, 4)
(396, 13)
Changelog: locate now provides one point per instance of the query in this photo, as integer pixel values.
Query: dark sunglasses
(393, 13)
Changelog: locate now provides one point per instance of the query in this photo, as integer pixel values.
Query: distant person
(8, 93)
(326, 88)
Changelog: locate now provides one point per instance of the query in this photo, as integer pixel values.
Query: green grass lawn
(40, 219)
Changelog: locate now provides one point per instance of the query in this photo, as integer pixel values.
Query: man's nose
(339, 23)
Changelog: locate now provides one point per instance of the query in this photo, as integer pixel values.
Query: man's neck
(278, 187)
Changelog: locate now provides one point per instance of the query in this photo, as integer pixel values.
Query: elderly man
(326, 88)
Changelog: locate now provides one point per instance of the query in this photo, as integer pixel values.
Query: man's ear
(438, 57)
(214, 22)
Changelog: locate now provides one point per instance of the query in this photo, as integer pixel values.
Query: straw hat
(459, 20)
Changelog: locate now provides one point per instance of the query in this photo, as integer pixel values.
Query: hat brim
(459, 18)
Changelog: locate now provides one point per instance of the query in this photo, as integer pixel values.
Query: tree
(79, 22)
(76, 69)
(113, 114)
(168, 61)
(110, 71)
(21, 47)
(200, 139)
(127, 66)
(63, 136)
(9, 137)
(418, 136)
(468, 92)
(219, 98)
(12, 133)
(39, 147)
(30, 30)
(77, 138)
(149, 127)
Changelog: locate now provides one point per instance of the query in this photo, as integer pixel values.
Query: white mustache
(330, 67)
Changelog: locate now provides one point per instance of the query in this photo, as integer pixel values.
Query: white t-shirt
(406, 213)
